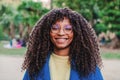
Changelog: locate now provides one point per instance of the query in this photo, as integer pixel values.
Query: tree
(20, 20)
(31, 12)
(104, 15)
(7, 19)
(111, 18)
(82, 6)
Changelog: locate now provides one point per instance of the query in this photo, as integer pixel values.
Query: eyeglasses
(56, 28)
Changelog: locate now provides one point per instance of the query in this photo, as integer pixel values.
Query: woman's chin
(61, 47)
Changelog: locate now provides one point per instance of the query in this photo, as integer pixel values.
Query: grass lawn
(111, 56)
(110, 53)
(11, 51)
(105, 53)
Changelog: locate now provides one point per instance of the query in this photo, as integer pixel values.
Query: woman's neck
(61, 52)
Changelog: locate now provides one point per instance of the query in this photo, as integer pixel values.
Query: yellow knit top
(59, 67)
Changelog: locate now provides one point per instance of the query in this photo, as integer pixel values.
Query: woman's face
(61, 34)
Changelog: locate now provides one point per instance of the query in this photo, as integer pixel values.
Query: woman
(62, 46)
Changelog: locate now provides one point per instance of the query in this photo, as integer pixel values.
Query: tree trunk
(21, 30)
(26, 32)
(12, 30)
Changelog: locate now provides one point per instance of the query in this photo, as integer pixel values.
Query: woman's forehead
(65, 19)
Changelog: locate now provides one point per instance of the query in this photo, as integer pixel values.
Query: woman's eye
(68, 28)
(55, 27)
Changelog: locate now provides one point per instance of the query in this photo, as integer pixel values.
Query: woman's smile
(61, 40)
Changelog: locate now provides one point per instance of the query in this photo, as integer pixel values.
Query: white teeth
(61, 39)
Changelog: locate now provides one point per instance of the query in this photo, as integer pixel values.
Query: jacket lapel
(73, 75)
(46, 70)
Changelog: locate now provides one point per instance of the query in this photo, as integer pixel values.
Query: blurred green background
(17, 18)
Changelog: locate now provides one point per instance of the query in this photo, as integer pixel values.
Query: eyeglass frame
(59, 28)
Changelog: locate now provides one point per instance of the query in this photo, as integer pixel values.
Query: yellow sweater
(59, 67)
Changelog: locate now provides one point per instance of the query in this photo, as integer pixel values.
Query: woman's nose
(61, 32)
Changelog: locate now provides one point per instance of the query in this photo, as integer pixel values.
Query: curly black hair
(84, 51)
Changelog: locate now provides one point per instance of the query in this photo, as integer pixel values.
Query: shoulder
(26, 76)
(42, 73)
(97, 75)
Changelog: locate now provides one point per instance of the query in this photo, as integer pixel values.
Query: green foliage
(1, 33)
(107, 11)
(31, 11)
(27, 14)
(88, 8)
(118, 34)
(100, 27)
(6, 15)
(111, 16)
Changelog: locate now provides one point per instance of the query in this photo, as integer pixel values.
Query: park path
(111, 69)
(10, 68)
